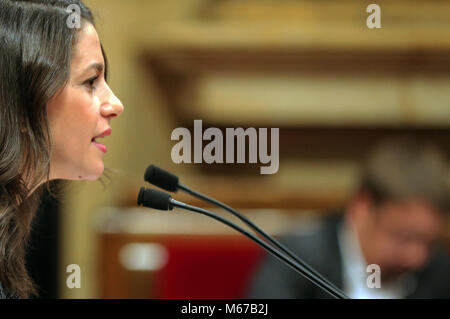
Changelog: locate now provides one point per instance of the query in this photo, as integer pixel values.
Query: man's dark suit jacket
(320, 250)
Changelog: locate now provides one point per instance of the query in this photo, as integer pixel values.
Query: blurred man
(393, 221)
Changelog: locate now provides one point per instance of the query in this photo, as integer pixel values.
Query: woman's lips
(101, 147)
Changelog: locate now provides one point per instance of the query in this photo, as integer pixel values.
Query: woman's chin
(97, 173)
(93, 173)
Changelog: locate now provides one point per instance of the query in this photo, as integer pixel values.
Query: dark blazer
(2, 293)
(320, 249)
(5, 295)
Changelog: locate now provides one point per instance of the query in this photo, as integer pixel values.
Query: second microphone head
(153, 198)
(161, 178)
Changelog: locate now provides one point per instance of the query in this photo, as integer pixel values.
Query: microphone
(162, 201)
(170, 182)
(161, 178)
(153, 198)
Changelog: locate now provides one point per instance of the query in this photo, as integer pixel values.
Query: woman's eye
(91, 82)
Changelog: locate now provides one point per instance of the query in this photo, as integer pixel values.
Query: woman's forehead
(87, 51)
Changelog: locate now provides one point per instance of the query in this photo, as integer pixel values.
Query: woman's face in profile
(79, 116)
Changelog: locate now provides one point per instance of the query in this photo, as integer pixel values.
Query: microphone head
(161, 178)
(153, 198)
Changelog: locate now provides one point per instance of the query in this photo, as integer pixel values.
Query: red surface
(207, 267)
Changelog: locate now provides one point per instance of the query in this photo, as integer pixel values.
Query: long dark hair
(36, 43)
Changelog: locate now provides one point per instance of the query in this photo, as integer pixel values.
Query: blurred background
(314, 69)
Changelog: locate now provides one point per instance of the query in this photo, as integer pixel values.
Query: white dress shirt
(355, 273)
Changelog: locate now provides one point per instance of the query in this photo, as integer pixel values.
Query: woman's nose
(112, 108)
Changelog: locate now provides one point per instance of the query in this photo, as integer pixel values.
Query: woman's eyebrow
(98, 66)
